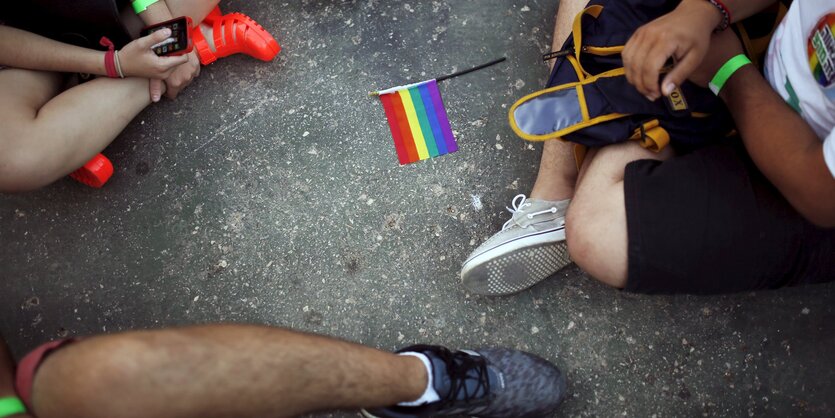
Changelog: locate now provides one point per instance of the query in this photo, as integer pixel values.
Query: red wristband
(109, 60)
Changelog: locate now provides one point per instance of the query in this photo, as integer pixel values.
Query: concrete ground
(271, 193)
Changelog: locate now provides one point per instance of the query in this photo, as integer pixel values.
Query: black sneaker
(489, 383)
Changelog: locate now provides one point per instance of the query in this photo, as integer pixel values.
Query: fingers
(156, 89)
(180, 78)
(147, 42)
(685, 67)
(645, 58)
(169, 63)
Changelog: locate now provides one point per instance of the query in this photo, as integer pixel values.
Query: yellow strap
(652, 136)
(603, 51)
(587, 119)
(577, 31)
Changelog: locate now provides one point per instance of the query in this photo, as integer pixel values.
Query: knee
(17, 174)
(594, 244)
(24, 167)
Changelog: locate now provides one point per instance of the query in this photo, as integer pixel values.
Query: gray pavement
(271, 193)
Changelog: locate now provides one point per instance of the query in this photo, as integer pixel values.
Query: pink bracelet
(109, 60)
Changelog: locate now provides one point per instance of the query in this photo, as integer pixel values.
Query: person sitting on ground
(240, 371)
(715, 220)
(48, 132)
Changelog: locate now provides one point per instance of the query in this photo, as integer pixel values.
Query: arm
(7, 376)
(684, 34)
(27, 50)
(783, 146)
(45, 54)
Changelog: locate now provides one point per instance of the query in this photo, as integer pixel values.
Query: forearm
(156, 13)
(783, 146)
(27, 50)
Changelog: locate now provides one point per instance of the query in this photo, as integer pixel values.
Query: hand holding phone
(179, 43)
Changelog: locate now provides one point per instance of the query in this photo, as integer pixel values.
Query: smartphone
(180, 41)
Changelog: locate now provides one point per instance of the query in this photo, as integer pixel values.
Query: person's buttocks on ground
(747, 213)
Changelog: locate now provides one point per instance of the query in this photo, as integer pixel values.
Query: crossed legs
(596, 221)
(48, 133)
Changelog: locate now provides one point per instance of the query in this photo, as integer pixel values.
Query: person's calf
(87, 378)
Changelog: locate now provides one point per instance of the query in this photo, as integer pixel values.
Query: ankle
(420, 388)
(552, 194)
(208, 33)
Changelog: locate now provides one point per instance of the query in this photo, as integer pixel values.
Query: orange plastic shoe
(95, 173)
(234, 33)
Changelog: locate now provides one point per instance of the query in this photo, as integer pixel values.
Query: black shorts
(709, 222)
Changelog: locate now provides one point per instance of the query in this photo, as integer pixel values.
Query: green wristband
(11, 406)
(140, 6)
(724, 74)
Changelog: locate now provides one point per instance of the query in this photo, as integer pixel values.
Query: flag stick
(439, 79)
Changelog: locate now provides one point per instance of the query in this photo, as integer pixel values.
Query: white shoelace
(520, 202)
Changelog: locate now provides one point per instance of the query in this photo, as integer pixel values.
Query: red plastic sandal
(234, 33)
(95, 173)
(213, 15)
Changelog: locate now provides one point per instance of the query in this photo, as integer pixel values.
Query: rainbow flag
(418, 121)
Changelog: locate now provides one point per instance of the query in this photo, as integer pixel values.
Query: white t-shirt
(801, 66)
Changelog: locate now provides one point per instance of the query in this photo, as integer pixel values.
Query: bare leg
(220, 371)
(596, 220)
(557, 170)
(45, 138)
(197, 10)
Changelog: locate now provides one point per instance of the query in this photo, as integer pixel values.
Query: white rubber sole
(516, 265)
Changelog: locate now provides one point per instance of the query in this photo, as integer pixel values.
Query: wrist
(724, 74)
(737, 82)
(156, 13)
(703, 11)
(11, 406)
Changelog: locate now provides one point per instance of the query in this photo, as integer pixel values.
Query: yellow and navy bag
(589, 101)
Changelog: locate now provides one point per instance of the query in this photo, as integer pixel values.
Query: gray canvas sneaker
(529, 248)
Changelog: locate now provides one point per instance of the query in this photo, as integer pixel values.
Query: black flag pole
(439, 79)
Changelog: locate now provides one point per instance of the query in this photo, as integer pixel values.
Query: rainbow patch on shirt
(821, 50)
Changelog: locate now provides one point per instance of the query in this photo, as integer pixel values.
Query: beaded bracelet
(726, 14)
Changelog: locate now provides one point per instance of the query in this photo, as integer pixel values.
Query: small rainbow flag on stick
(418, 119)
